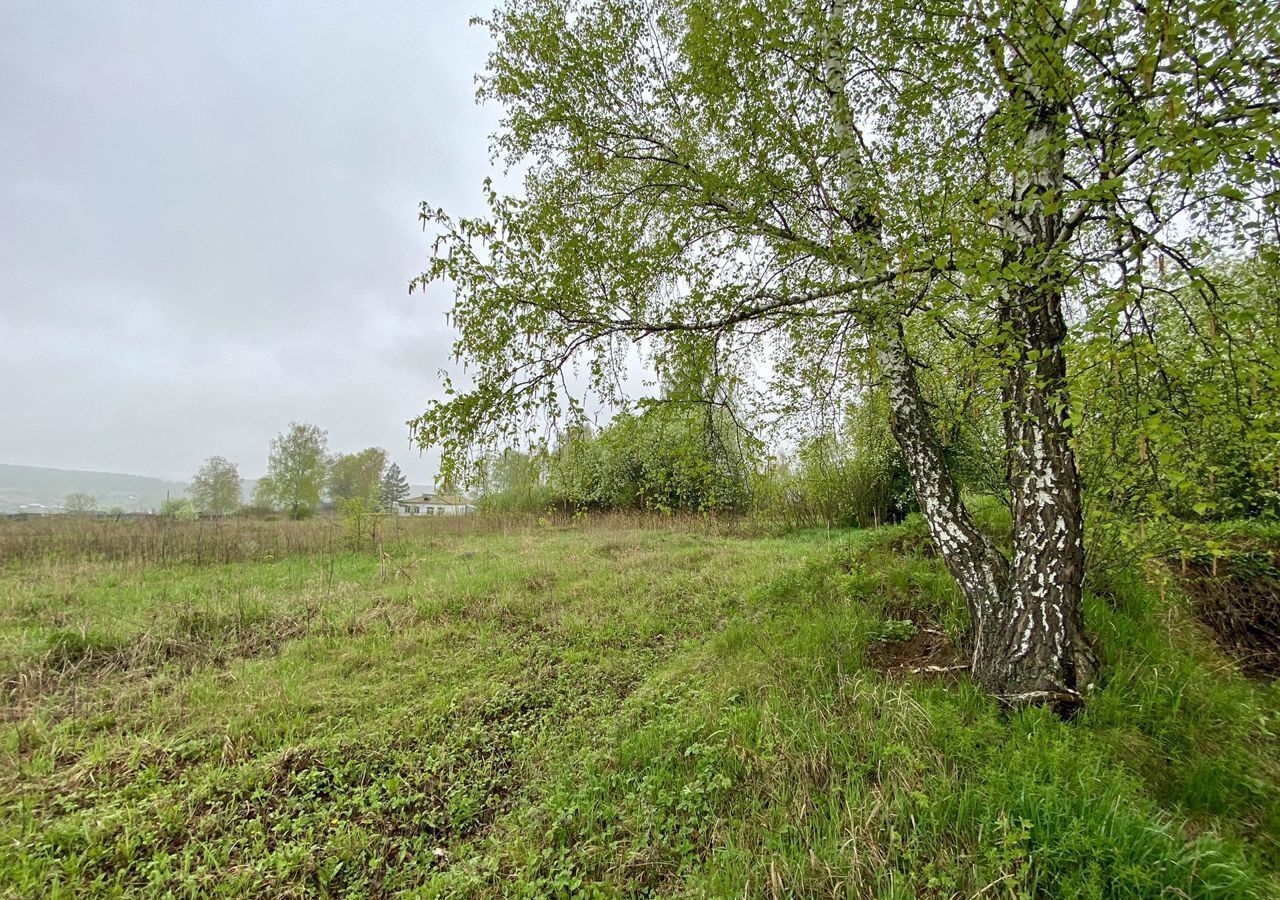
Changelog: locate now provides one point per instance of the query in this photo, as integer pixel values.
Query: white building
(433, 505)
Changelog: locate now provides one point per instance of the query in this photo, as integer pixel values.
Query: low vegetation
(507, 707)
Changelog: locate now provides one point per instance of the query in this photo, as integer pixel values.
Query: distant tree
(357, 476)
(512, 481)
(215, 489)
(264, 493)
(394, 486)
(80, 503)
(296, 470)
(361, 518)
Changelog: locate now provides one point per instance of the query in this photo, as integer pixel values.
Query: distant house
(434, 505)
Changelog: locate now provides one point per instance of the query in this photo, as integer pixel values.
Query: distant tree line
(301, 474)
(296, 470)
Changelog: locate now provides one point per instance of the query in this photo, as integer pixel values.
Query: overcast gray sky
(208, 219)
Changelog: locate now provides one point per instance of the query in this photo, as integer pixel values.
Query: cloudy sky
(208, 220)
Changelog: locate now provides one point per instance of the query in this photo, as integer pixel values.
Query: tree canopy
(393, 486)
(828, 192)
(695, 164)
(80, 503)
(215, 489)
(357, 476)
(296, 469)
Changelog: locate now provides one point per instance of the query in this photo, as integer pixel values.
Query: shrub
(856, 477)
(179, 508)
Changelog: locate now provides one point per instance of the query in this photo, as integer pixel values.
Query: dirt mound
(1240, 604)
(915, 646)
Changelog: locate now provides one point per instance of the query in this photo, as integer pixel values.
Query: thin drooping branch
(979, 568)
(755, 306)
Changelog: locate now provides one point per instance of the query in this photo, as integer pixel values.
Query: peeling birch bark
(1039, 648)
(1028, 643)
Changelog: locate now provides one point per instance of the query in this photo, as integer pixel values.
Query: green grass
(564, 711)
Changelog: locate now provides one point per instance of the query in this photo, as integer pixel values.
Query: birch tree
(296, 470)
(818, 188)
(215, 488)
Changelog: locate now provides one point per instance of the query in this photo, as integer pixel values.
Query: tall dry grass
(155, 540)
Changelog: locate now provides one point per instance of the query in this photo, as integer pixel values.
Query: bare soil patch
(926, 653)
(1241, 609)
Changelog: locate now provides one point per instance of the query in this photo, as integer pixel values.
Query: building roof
(442, 499)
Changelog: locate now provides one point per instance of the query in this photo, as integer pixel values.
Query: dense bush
(1183, 415)
(671, 456)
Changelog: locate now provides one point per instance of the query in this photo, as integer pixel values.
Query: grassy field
(600, 710)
